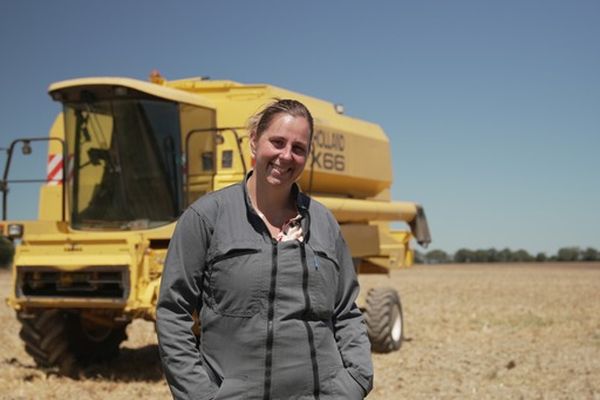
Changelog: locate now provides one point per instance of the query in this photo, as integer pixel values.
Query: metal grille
(96, 282)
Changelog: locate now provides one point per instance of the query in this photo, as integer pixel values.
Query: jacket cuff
(210, 395)
(365, 383)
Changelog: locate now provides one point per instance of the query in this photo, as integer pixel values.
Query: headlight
(15, 231)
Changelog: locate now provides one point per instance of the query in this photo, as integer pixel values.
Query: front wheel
(385, 323)
(45, 338)
(66, 341)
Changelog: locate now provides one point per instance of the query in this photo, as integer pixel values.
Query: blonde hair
(259, 122)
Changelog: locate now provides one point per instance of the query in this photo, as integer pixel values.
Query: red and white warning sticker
(55, 167)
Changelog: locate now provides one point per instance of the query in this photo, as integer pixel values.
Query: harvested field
(477, 331)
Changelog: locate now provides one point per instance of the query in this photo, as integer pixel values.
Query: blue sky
(492, 108)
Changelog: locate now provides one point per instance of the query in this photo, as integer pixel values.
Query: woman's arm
(350, 328)
(180, 296)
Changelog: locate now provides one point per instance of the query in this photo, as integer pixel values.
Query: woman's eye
(299, 150)
(278, 143)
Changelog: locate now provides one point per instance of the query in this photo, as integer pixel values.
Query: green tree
(568, 254)
(480, 256)
(522, 256)
(463, 256)
(505, 255)
(541, 257)
(590, 254)
(437, 256)
(493, 255)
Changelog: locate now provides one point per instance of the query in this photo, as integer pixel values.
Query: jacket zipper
(309, 331)
(270, 315)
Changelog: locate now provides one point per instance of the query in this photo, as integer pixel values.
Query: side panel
(50, 201)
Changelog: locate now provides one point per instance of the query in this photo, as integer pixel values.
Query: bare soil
(528, 331)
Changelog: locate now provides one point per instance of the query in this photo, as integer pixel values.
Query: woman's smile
(281, 151)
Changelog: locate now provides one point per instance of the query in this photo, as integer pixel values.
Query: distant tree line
(461, 256)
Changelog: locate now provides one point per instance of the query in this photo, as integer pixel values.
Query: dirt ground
(528, 331)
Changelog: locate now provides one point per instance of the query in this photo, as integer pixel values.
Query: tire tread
(379, 316)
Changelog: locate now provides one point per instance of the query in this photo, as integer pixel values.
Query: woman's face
(281, 150)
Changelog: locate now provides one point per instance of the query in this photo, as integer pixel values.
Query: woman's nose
(286, 153)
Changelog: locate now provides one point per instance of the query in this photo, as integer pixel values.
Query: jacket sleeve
(180, 295)
(350, 328)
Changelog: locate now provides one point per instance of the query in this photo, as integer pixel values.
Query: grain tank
(126, 157)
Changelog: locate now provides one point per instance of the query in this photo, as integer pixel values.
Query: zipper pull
(316, 259)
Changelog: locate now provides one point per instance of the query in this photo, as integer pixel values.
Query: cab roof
(70, 90)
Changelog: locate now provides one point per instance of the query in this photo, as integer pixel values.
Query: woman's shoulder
(208, 205)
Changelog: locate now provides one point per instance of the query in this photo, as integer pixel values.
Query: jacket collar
(301, 199)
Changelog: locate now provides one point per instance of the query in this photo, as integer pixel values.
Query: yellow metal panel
(401, 236)
(393, 259)
(362, 239)
(64, 302)
(43, 227)
(50, 203)
(347, 210)
(57, 131)
(351, 156)
(49, 231)
(145, 87)
(71, 262)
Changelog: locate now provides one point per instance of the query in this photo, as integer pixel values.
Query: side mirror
(26, 149)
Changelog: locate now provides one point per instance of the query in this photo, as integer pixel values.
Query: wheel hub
(397, 329)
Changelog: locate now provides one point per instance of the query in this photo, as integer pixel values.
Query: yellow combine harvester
(126, 157)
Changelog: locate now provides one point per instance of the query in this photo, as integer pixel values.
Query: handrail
(215, 130)
(4, 182)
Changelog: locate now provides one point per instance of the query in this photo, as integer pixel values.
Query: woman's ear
(253, 140)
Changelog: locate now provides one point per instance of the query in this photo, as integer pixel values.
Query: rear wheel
(385, 323)
(55, 338)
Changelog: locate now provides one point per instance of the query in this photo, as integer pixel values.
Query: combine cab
(126, 157)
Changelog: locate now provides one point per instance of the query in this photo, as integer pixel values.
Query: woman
(272, 280)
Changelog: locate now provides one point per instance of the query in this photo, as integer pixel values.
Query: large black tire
(46, 341)
(55, 338)
(385, 322)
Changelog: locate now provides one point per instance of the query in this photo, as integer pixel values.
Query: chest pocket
(233, 281)
(323, 279)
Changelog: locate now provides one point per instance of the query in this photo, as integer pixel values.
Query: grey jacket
(278, 319)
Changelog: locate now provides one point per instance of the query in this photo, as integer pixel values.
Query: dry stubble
(472, 331)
